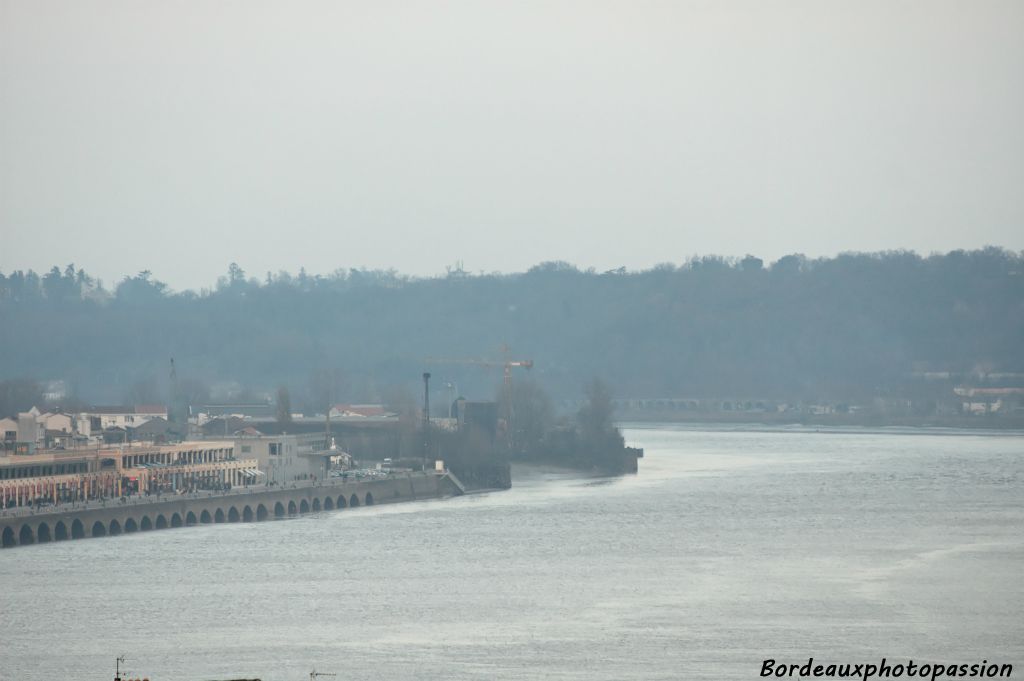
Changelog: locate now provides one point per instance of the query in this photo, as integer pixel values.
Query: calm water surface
(729, 547)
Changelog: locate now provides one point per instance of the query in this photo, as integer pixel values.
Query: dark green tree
(284, 405)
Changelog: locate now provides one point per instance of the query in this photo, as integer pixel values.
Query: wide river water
(729, 547)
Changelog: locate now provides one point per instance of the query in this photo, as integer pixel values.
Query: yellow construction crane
(507, 365)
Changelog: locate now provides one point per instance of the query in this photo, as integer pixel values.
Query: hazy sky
(180, 136)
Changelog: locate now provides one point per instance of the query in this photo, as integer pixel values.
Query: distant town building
(94, 420)
(360, 411)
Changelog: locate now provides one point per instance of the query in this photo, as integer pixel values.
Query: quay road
(80, 520)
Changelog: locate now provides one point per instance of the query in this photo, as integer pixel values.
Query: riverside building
(65, 476)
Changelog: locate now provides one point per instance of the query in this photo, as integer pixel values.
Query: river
(729, 547)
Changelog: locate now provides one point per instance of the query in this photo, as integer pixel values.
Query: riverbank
(986, 422)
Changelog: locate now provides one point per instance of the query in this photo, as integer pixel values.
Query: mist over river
(729, 547)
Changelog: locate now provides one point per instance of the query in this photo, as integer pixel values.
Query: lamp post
(426, 417)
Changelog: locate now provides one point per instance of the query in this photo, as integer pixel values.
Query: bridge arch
(247, 514)
(205, 517)
(60, 531)
(77, 529)
(341, 502)
(190, 518)
(303, 506)
(316, 504)
(328, 504)
(115, 528)
(353, 501)
(43, 533)
(99, 529)
(146, 524)
(8, 538)
(130, 525)
(261, 512)
(279, 510)
(218, 517)
(291, 507)
(369, 498)
(176, 520)
(161, 522)
(26, 536)
(232, 515)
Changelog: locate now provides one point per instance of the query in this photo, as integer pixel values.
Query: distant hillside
(849, 327)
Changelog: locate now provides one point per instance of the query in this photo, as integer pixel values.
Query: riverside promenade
(81, 520)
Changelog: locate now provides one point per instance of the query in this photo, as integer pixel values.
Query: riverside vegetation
(844, 329)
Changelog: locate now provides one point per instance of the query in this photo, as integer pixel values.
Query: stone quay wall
(249, 504)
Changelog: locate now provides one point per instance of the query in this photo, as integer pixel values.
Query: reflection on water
(729, 546)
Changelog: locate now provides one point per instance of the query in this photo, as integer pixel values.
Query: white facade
(29, 429)
(286, 458)
(61, 422)
(129, 418)
(8, 429)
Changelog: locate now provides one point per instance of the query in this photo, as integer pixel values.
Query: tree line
(845, 328)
